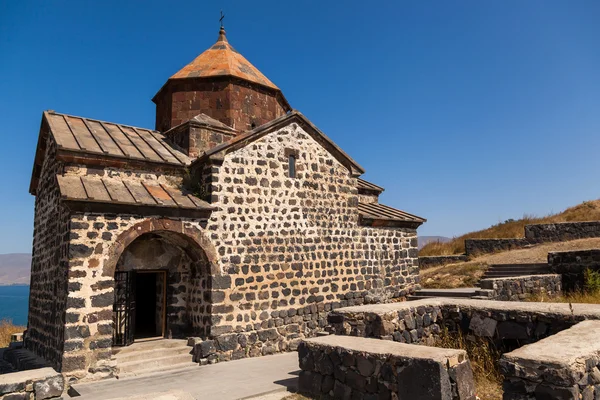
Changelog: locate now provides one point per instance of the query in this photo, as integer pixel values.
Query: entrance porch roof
(112, 194)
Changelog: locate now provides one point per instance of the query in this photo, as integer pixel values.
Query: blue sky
(467, 112)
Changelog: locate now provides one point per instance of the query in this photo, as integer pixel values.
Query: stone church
(236, 221)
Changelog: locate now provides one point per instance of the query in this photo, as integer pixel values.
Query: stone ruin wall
(287, 252)
(48, 290)
(421, 322)
(572, 266)
(521, 288)
(535, 234)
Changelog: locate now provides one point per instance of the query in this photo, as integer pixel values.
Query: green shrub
(591, 283)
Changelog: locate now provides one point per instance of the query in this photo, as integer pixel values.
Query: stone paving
(239, 379)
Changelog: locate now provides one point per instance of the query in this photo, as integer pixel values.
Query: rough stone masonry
(257, 221)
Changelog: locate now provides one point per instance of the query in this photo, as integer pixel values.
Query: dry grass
(7, 329)
(573, 298)
(466, 274)
(484, 361)
(451, 276)
(586, 211)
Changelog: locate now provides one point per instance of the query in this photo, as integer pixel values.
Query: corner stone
(49, 388)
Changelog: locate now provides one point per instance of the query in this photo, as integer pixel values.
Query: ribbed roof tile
(221, 59)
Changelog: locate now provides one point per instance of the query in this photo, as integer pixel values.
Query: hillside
(586, 211)
(424, 240)
(467, 274)
(15, 268)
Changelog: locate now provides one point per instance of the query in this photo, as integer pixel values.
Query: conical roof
(223, 60)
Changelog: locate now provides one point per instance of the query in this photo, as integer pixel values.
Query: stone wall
(508, 324)
(519, 288)
(194, 138)
(357, 368)
(572, 266)
(563, 366)
(562, 231)
(37, 384)
(475, 247)
(289, 243)
(433, 261)
(48, 287)
(535, 234)
(276, 256)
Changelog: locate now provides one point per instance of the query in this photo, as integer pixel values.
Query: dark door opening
(150, 307)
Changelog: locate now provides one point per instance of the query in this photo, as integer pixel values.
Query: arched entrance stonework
(192, 241)
(102, 245)
(161, 289)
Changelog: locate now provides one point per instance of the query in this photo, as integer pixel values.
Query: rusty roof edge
(416, 218)
(38, 148)
(97, 120)
(64, 152)
(369, 185)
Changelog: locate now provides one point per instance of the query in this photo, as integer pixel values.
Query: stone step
(523, 265)
(145, 366)
(510, 270)
(450, 293)
(151, 354)
(508, 274)
(151, 345)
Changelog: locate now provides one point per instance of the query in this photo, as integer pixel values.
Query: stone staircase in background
(494, 271)
(151, 356)
(508, 270)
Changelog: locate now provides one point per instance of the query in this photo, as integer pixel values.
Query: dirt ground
(467, 274)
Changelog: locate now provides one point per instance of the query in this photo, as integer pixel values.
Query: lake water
(14, 301)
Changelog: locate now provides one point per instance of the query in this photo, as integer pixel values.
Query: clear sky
(467, 112)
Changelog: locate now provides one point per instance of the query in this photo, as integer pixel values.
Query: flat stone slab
(345, 367)
(28, 376)
(582, 310)
(44, 380)
(386, 347)
(564, 349)
(224, 381)
(563, 366)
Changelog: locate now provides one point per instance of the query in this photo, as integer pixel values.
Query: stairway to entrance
(508, 270)
(153, 355)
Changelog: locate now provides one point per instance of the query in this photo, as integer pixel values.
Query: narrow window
(292, 165)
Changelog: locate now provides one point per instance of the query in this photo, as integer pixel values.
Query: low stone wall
(485, 246)
(518, 288)
(564, 366)
(279, 331)
(36, 384)
(562, 231)
(535, 234)
(508, 324)
(572, 265)
(358, 368)
(433, 261)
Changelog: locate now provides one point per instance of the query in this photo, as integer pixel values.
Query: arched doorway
(162, 289)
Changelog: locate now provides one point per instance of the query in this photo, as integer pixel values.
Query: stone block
(483, 326)
(512, 330)
(550, 392)
(204, 349)
(227, 342)
(309, 382)
(49, 388)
